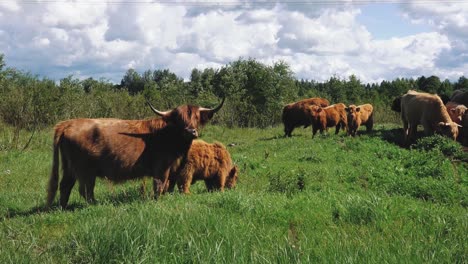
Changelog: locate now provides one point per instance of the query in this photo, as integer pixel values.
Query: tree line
(255, 92)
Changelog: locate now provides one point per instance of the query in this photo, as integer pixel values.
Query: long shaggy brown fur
(330, 116)
(121, 150)
(208, 162)
(360, 115)
(299, 114)
(427, 110)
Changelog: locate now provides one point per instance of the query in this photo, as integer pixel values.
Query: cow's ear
(358, 109)
(205, 116)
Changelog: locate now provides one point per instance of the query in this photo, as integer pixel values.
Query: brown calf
(330, 116)
(298, 114)
(209, 162)
(360, 115)
(456, 111)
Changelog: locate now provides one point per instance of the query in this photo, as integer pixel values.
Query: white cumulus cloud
(103, 39)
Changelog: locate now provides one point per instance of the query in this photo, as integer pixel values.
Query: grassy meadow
(331, 199)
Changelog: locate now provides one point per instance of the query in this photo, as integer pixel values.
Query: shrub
(287, 182)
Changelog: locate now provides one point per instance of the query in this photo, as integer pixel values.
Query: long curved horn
(160, 113)
(214, 110)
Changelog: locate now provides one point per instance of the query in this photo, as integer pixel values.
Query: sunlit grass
(332, 199)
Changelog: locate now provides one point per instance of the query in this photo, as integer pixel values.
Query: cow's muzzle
(192, 132)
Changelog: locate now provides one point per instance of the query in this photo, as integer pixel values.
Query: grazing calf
(209, 162)
(121, 150)
(360, 115)
(330, 116)
(456, 111)
(298, 114)
(427, 110)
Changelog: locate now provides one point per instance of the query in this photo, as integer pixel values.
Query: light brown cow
(427, 110)
(330, 116)
(456, 111)
(121, 150)
(298, 114)
(209, 162)
(360, 115)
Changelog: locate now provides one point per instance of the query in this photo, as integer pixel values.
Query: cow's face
(353, 112)
(232, 178)
(315, 111)
(457, 113)
(188, 118)
(448, 129)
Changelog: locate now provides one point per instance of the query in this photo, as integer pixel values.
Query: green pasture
(330, 199)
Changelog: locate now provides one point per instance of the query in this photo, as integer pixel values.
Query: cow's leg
(428, 130)
(66, 185)
(337, 129)
(314, 131)
(287, 131)
(210, 184)
(87, 187)
(370, 124)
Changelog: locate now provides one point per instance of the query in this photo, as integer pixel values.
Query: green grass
(331, 199)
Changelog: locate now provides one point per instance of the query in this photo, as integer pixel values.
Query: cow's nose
(193, 132)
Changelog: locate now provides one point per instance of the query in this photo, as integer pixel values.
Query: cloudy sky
(374, 40)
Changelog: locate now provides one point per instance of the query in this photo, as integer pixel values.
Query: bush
(439, 143)
(287, 182)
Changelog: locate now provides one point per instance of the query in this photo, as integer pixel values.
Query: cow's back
(208, 159)
(105, 146)
(366, 110)
(418, 108)
(460, 96)
(322, 102)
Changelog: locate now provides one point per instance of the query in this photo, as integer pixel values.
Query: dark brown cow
(360, 115)
(330, 116)
(209, 162)
(396, 104)
(460, 96)
(298, 114)
(121, 150)
(427, 110)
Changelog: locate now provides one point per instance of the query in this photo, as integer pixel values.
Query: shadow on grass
(37, 210)
(123, 197)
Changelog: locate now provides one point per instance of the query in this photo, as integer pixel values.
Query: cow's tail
(54, 175)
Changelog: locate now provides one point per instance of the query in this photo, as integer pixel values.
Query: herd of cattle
(318, 113)
(165, 148)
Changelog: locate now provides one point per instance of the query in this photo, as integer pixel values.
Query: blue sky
(374, 40)
(385, 21)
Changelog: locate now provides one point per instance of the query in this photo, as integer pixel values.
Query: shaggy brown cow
(360, 115)
(120, 150)
(298, 114)
(427, 110)
(330, 116)
(209, 162)
(456, 111)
